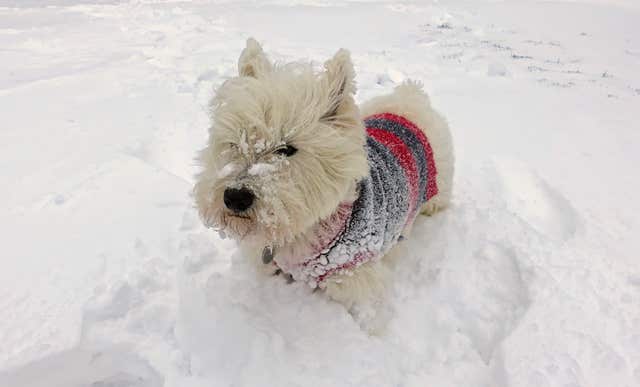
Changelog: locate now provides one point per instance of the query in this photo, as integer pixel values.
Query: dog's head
(286, 146)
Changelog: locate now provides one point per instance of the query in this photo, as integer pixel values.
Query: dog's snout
(238, 200)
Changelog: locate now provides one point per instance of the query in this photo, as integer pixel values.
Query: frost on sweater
(402, 177)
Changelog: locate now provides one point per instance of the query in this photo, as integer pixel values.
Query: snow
(108, 278)
(261, 169)
(227, 170)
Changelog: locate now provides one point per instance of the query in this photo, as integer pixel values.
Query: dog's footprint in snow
(493, 299)
(537, 203)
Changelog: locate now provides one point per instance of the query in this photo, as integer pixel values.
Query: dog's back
(411, 104)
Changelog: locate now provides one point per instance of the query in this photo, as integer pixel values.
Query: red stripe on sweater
(405, 157)
(432, 186)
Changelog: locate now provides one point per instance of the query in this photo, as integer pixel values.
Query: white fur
(269, 105)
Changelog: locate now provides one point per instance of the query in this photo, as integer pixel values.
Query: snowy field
(530, 279)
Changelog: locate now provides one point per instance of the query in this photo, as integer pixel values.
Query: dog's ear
(253, 62)
(340, 83)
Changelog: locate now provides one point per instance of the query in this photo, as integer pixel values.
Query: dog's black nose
(238, 200)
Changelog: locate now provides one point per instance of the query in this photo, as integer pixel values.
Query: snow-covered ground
(107, 277)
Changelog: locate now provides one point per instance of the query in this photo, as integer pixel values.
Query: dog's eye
(287, 150)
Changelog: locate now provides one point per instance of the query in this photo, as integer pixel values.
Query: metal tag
(267, 254)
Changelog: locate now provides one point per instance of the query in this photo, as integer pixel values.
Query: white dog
(320, 189)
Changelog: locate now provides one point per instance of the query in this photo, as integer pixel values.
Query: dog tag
(267, 254)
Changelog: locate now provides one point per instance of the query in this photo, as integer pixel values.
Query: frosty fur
(269, 105)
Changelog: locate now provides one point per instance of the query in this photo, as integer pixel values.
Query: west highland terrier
(313, 186)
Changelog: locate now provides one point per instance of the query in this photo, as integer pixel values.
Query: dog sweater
(402, 178)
